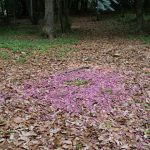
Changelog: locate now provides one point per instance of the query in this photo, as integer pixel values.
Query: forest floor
(108, 45)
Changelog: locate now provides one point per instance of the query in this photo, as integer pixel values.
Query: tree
(64, 6)
(139, 14)
(63, 12)
(35, 11)
(49, 19)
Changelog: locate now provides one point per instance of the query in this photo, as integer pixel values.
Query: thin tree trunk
(14, 11)
(31, 8)
(123, 7)
(139, 14)
(63, 11)
(6, 12)
(67, 26)
(84, 6)
(49, 19)
(60, 14)
(36, 12)
(2, 7)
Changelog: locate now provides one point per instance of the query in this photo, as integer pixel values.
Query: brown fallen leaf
(2, 122)
(148, 93)
(19, 120)
(121, 120)
(125, 147)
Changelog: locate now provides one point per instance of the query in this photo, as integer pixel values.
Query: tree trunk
(2, 7)
(49, 19)
(6, 12)
(63, 11)
(123, 7)
(31, 8)
(35, 11)
(67, 26)
(84, 5)
(60, 9)
(139, 14)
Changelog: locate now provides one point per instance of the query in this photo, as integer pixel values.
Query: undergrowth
(24, 40)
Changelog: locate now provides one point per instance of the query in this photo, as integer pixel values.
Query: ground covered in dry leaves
(97, 97)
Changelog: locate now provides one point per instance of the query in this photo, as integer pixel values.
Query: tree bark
(139, 14)
(2, 7)
(49, 19)
(35, 11)
(84, 4)
(31, 8)
(63, 11)
(67, 26)
(59, 5)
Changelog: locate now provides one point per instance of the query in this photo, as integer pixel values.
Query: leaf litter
(31, 120)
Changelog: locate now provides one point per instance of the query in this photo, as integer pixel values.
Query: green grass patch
(147, 17)
(78, 82)
(4, 55)
(22, 59)
(147, 133)
(127, 27)
(63, 51)
(19, 30)
(79, 146)
(147, 106)
(19, 45)
(144, 38)
(127, 18)
(7, 132)
(28, 38)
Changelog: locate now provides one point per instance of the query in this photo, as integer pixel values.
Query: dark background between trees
(49, 12)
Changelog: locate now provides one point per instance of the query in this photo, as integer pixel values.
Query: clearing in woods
(86, 91)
